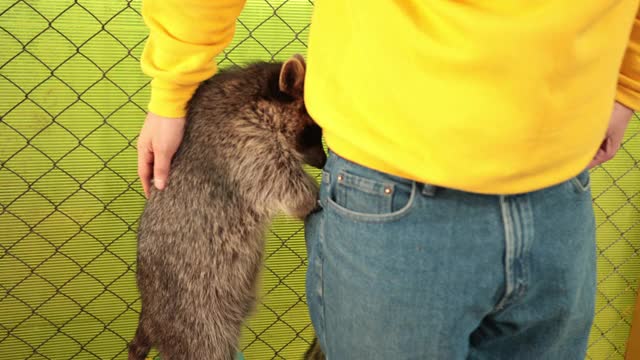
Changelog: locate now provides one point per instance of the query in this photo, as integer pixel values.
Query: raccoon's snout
(316, 158)
(309, 143)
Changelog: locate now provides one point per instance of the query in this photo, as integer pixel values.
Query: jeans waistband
(424, 188)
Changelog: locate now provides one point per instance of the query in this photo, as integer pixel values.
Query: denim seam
(429, 190)
(319, 254)
(376, 218)
(324, 308)
(518, 224)
(528, 230)
(343, 191)
(509, 252)
(326, 177)
(373, 187)
(580, 187)
(320, 258)
(393, 178)
(520, 273)
(322, 335)
(519, 238)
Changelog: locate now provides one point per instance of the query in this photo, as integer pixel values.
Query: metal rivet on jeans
(387, 190)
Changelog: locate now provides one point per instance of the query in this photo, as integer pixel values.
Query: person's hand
(618, 122)
(159, 140)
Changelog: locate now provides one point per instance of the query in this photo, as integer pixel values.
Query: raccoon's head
(286, 94)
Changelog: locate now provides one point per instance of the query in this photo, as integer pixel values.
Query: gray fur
(314, 352)
(200, 241)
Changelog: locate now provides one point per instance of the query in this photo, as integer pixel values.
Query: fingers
(161, 165)
(595, 162)
(620, 117)
(606, 152)
(159, 140)
(145, 167)
(153, 165)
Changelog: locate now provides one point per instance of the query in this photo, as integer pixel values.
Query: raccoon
(314, 352)
(201, 239)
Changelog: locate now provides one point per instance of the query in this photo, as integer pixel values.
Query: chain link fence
(616, 194)
(73, 100)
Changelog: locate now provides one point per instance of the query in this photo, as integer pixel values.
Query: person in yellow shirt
(456, 216)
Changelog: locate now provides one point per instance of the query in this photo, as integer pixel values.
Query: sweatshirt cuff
(628, 98)
(170, 100)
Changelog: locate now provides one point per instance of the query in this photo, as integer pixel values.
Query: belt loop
(326, 177)
(429, 190)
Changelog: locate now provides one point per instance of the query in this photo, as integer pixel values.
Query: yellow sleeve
(185, 36)
(629, 80)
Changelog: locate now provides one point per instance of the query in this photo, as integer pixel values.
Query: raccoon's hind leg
(196, 343)
(314, 352)
(141, 344)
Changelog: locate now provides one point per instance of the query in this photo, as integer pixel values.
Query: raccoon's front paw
(305, 204)
(305, 208)
(303, 214)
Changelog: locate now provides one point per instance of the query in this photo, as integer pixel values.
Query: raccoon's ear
(292, 76)
(301, 59)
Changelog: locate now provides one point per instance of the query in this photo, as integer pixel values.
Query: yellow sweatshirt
(499, 96)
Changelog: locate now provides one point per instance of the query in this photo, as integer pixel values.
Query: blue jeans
(404, 270)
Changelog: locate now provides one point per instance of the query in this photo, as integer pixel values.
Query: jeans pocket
(369, 198)
(582, 182)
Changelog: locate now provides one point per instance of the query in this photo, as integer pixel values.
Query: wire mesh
(616, 199)
(73, 100)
